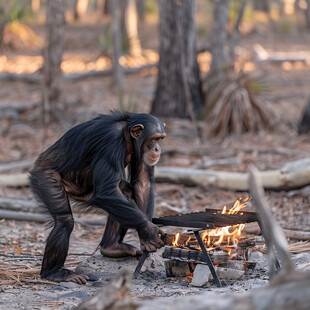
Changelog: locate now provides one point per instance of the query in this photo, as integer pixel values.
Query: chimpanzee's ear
(136, 130)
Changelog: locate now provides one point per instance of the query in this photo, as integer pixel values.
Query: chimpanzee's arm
(119, 207)
(108, 196)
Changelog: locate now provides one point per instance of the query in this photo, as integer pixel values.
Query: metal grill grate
(205, 220)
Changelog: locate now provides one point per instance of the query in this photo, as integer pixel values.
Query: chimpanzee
(88, 164)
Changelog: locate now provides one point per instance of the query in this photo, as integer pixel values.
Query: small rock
(98, 284)
(229, 273)
(75, 294)
(95, 276)
(59, 288)
(201, 275)
(69, 284)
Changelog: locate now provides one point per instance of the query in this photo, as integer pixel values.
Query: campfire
(225, 238)
(213, 240)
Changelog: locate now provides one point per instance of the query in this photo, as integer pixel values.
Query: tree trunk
(307, 13)
(132, 28)
(304, 125)
(219, 35)
(262, 5)
(100, 5)
(53, 95)
(178, 92)
(141, 10)
(2, 27)
(117, 71)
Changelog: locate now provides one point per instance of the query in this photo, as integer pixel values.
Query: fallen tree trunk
(36, 217)
(291, 176)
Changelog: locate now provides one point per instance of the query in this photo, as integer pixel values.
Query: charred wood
(194, 256)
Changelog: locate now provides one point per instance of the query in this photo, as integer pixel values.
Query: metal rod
(207, 258)
(143, 257)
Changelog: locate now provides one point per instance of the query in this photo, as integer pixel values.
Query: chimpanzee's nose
(157, 149)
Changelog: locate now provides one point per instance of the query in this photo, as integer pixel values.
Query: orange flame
(176, 238)
(225, 237)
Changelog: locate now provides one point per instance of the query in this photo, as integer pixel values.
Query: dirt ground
(23, 137)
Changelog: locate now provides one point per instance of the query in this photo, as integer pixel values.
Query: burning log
(195, 256)
(189, 241)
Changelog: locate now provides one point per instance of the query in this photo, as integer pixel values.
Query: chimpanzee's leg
(48, 187)
(111, 244)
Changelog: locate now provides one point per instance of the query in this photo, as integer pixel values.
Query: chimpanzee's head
(147, 131)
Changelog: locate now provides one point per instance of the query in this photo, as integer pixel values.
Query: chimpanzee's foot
(65, 275)
(119, 250)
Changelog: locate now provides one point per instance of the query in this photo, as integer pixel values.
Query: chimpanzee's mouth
(152, 160)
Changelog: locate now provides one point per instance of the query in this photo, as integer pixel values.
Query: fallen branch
(18, 107)
(262, 55)
(16, 204)
(72, 77)
(14, 180)
(24, 216)
(253, 228)
(26, 78)
(272, 232)
(293, 248)
(291, 175)
(299, 235)
(25, 164)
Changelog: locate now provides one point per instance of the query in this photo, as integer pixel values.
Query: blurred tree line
(228, 98)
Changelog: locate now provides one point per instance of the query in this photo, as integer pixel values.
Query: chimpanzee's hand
(150, 237)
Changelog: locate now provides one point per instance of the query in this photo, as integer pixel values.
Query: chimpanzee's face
(151, 149)
(149, 137)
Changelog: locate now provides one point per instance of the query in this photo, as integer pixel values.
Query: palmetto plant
(12, 32)
(233, 103)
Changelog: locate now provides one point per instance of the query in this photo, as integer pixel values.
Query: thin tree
(117, 69)
(307, 14)
(219, 35)
(141, 10)
(304, 124)
(132, 29)
(178, 92)
(53, 92)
